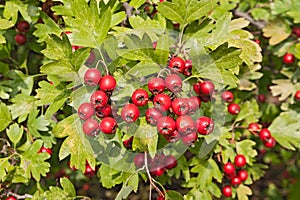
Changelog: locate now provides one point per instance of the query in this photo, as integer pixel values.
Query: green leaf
(5, 24)
(63, 70)
(5, 119)
(282, 88)
(13, 8)
(124, 193)
(68, 187)
(260, 14)
(277, 31)
(79, 57)
(106, 176)
(286, 129)
(147, 25)
(256, 171)
(247, 74)
(136, 3)
(57, 48)
(4, 166)
(143, 69)
(36, 124)
(173, 195)
(243, 192)
(26, 102)
(117, 18)
(245, 147)
(47, 93)
(14, 133)
(250, 112)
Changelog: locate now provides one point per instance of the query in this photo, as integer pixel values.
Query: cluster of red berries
(234, 174)
(263, 133)
(233, 108)
(99, 106)
(89, 171)
(157, 165)
(22, 28)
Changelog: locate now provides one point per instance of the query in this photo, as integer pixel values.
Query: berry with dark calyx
(86, 111)
(170, 162)
(91, 127)
(254, 128)
(130, 113)
(185, 124)
(140, 97)
(234, 109)
(204, 98)
(173, 137)
(270, 143)
(229, 168)
(264, 134)
(235, 181)
(173, 83)
(177, 64)
(227, 96)
(162, 102)
(189, 139)
(92, 77)
(45, 150)
(99, 99)
(296, 31)
(206, 88)
(297, 95)
(23, 26)
(166, 125)
(107, 83)
(243, 175)
(104, 111)
(227, 191)
(204, 125)
(20, 38)
(89, 171)
(180, 106)
(156, 85)
(128, 143)
(240, 160)
(139, 160)
(288, 58)
(152, 115)
(108, 125)
(188, 68)
(194, 104)
(11, 198)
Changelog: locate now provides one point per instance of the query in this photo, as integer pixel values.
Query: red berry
(194, 104)
(177, 64)
(104, 111)
(99, 99)
(23, 26)
(86, 111)
(288, 58)
(160, 197)
(188, 68)
(254, 128)
(89, 171)
(180, 106)
(173, 83)
(240, 160)
(297, 95)
(162, 102)
(243, 175)
(227, 191)
(20, 38)
(173, 137)
(85, 187)
(128, 143)
(11, 198)
(227, 96)
(189, 139)
(257, 41)
(270, 143)
(157, 170)
(204, 125)
(196, 88)
(139, 160)
(185, 124)
(108, 125)
(107, 83)
(92, 77)
(170, 162)
(296, 31)
(229, 168)
(130, 113)
(234, 109)
(156, 85)
(235, 181)
(45, 150)
(264, 134)
(261, 98)
(91, 127)
(91, 59)
(140, 97)
(152, 115)
(207, 88)
(154, 44)
(166, 125)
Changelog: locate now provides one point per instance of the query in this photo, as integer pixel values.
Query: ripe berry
(243, 175)
(257, 41)
(89, 171)
(288, 58)
(91, 127)
(204, 125)
(154, 44)
(139, 160)
(104, 111)
(227, 191)
(152, 115)
(140, 97)
(261, 98)
(173, 137)
(91, 59)
(86, 111)
(189, 139)
(99, 99)
(188, 68)
(23, 26)
(207, 88)
(173, 83)
(160, 197)
(20, 38)
(194, 104)
(11, 198)
(177, 64)
(166, 125)
(236, 181)
(254, 128)
(234, 108)
(264, 134)
(92, 77)
(239, 160)
(156, 85)
(107, 83)
(297, 95)
(128, 143)
(130, 113)
(296, 31)
(229, 168)
(270, 143)
(46, 150)
(108, 125)
(196, 88)
(170, 162)
(162, 102)
(180, 106)
(157, 170)
(185, 124)
(227, 96)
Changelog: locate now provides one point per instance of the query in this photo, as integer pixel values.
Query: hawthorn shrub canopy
(194, 99)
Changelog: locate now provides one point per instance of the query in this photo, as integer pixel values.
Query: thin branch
(24, 196)
(128, 10)
(259, 24)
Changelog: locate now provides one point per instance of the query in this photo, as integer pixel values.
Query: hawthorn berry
(240, 160)
(91, 59)
(185, 124)
(156, 85)
(23, 26)
(107, 83)
(91, 127)
(227, 191)
(130, 113)
(296, 31)
(173, 137)
(99, 99)
(235, 181)
(86, 111)
(261, 98)
(196, 88)
(45, 150)
(188, 68)
(257, 41)
(270, 143)
(243, 175)
(180, 106)
(288, 58)
(152, 115)
(160, 197)
(108, 125)
(157, 170)
(128, 143)
(254, 128)
(204, 125)
(169, 162)
(264, 134)
(297, 95)
(104, 111)
(89, 171)
(173, 83)
(194, 103)
(162, 102)
(177, 64)
(227, 96)
(140, 97)
(189, 138)
(139, 160)
(206, 88)
(166, 125)
(234, 108)
(11, 198)
(92, 77)
(20, 38)
(229, 168)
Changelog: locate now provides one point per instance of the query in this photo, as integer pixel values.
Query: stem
(103, 63)
(163, 70)
(24, 196)
(28, 132)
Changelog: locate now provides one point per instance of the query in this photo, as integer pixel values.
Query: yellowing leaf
(277, 31)
(282, 88)
(243, 192)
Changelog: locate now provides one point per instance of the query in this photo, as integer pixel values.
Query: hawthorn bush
(155, 99)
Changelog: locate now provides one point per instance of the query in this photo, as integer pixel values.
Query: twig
(259, 24)
(24, 196)
(128, 10)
